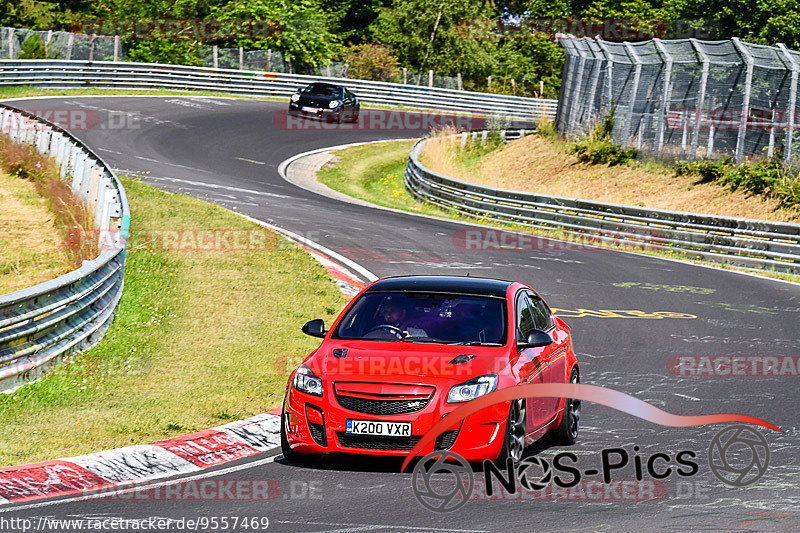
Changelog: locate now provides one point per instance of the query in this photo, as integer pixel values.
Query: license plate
(310, 109)
(376, 427)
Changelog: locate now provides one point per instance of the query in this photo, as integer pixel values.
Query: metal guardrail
(738, 241)
(44, 323)
(63, 74)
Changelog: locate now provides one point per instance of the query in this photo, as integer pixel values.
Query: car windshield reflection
(426, 318)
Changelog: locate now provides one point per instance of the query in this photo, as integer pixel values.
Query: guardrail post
(662, 115)
(636, 77)
(748, 83)
(701, 102)
(790, 108)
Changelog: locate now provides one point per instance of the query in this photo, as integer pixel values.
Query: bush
(33, 48)
(767, 177)
(707, 169)
(598, 148)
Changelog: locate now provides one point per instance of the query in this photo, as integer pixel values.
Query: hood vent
(463, 358)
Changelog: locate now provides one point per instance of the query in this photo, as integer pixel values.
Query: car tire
(567, 431)
(355, 116)
(514, 438)
(290, 455)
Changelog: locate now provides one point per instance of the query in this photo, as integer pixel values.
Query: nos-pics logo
(443, 481)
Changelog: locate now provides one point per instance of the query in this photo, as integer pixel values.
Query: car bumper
(317, 425)
(319, 113)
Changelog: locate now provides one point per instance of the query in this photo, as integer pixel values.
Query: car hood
(390, 361)
(315, 100)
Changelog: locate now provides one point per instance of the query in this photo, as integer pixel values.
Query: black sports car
(325, 101)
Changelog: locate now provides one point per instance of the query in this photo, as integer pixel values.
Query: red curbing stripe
(47, 479)
(207, 448)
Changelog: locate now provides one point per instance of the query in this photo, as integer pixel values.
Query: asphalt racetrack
(236, 144)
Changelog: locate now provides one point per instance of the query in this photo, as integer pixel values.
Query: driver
(396, 315)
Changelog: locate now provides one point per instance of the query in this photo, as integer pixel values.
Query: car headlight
(306, 381)
(472, 389)
(295, 97)
(334, 104)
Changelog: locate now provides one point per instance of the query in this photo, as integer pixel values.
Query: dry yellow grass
(539, 165)
(31, 246)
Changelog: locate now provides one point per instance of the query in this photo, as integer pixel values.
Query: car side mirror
(536, 339)
(315, 328)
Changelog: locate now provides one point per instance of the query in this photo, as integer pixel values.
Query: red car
(408, 350)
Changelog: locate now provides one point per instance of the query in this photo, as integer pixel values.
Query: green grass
(374, 173)
(201, 338)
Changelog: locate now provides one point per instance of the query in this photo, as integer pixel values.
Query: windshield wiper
(474, 343)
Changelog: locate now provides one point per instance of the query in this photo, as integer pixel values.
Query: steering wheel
(399, 333)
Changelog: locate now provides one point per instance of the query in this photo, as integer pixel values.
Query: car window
(525, 317)
(425, 317)
(323, 89)
(542, 316)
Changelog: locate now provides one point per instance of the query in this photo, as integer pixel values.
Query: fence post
(609, 70)
(637, 73)
(91, 47)
(11, 43)
(489, 82)
(701, 102)
(405, 76)
(597, 63)
(787, 149)
(458, 80)
(748, 82)
(269, 59)
(575, 87)
(116, 48)
(430, 78)
(70, 42)
(241, 58)
(328, 70)
(662, 118)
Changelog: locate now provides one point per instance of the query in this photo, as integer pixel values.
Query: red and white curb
(142, 462)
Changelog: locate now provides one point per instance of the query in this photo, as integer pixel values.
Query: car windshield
(323, 89)
(431, 318)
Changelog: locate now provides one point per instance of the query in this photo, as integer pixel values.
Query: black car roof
(325, 84)
(446, 284)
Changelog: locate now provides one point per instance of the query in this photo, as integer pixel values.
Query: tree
(438, 35)
(303, 30)
(371, 62)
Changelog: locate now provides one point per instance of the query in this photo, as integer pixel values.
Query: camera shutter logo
(454, 489)
(738, 455)
(525, 473)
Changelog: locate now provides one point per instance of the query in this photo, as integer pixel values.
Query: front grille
(382, 407)
(318, 433)
(446, 440)
(372, 442)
